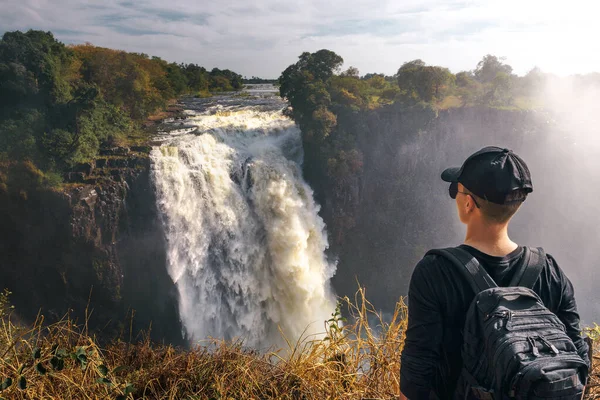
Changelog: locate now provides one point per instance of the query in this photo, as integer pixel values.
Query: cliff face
(97, 243)
(400, 207)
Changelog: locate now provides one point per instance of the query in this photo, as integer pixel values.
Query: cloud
(377, 27)
(265, 36)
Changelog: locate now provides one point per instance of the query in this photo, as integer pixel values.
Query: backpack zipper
(534, 349)
(548, 344)
(540, 313)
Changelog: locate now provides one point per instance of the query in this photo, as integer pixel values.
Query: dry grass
(360, 360)
(357, 361)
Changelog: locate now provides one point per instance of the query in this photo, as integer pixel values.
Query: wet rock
(116, 174)
(88, 195)
(118, 163)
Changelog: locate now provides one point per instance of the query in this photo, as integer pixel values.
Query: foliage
(227, 80)
(305, 84)
(419, 81)
(329, 105)
(5, 306)
(59, 104)
(351, 360)
(356, 357)
(489, 67)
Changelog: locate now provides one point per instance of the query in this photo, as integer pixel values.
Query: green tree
(36, 77)
(489, 67)
(19, 132)
(467, 87)
(499, 91)
(464, 79)
(422, 82)
(306, 86)
(34, 67)
(351, 72)
(81, 126)
(59, 104)
(312, 67)
(176, 78)
(377, 82)
(234, 81)
(197, 77)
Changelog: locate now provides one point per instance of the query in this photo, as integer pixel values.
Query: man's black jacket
(438, 299)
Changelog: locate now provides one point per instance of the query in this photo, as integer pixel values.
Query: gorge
(214, 233)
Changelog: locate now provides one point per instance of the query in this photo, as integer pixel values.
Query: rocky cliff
(96, 243)
(400, 207)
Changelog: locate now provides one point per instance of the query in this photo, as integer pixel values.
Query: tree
(34, 66)
(36, 77)
(351, 72)
(197, 77)
(59, 104)
(312, 67)
(349, 91)
(464, 78)
(468, 89)
(377, 82)
(499, 91)
(176, 78)
(422, 82)
(439, 77)
(532, 81)
(305, 83)
(218, 77)
(372, 75)
(81, 126)
(489, 67)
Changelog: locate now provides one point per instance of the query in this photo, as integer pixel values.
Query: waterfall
(246, 246)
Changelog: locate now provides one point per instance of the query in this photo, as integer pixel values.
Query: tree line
(319, 93)
(59, 104)
(324, 101)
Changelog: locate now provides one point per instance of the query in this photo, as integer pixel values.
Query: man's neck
(490, 239)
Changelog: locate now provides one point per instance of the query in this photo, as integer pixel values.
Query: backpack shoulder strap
(534, 260)
(468, 266)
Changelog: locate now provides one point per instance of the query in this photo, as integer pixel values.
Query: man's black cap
(492, 173)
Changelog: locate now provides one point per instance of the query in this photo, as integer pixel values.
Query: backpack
(513, 346)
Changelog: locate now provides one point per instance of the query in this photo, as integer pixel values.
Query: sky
(262, 37)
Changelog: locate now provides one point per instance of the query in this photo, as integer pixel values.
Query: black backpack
(514, 347)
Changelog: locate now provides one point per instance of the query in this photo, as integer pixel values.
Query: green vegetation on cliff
(59, 104)
(333, 107)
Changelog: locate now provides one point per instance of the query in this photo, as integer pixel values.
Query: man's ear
(470, 203)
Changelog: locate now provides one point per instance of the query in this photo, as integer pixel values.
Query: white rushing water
(245, 243)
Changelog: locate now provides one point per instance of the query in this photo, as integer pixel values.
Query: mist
(563, 154)
(561, 214)
(404, 208)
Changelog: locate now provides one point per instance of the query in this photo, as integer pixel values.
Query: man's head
(491, 185)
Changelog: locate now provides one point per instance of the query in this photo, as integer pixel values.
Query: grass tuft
(359, 359)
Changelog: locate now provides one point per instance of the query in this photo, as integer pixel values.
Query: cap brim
(451, 174)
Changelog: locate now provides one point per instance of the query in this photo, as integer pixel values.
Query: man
(488, 189)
